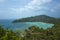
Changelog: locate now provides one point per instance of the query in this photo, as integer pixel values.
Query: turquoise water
(24, 25)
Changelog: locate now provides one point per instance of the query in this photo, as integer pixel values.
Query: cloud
(32, 5)
(56, 7)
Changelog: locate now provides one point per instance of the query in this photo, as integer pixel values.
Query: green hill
(40, 18)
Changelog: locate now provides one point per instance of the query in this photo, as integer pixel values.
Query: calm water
(23, 25)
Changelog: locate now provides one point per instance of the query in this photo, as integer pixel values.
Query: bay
(23, 25)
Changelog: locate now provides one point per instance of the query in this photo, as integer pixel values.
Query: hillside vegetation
(40, 18)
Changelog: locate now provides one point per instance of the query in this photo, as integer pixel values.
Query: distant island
(40, 18)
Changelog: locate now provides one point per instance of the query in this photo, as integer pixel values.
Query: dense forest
(33, 32)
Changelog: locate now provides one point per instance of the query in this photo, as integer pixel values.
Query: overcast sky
(15, 9)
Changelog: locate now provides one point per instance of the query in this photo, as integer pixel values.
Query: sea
(8, 24)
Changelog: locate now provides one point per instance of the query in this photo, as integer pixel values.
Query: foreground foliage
(8, 34)
(32, 33)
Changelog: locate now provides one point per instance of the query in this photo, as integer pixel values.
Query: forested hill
(40, 18)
